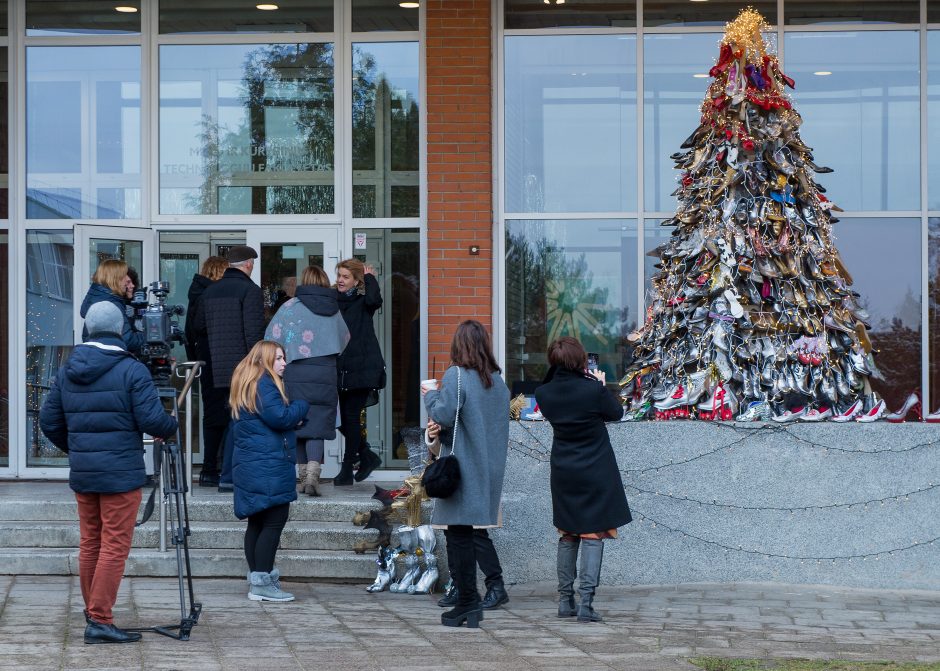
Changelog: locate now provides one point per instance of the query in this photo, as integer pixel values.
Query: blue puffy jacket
(133, 340)
(265, 451)
(102, 400)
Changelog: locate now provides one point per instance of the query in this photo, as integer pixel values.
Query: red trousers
(107, 527)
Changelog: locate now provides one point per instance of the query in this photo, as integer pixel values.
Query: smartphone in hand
(592, 362)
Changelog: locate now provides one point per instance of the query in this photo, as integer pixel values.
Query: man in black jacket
(230, 316)
(102, 399)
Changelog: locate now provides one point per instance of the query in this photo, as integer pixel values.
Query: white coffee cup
(429, 385)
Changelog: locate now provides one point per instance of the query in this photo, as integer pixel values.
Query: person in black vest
(588, 500)
(230, 316)
(361, 366)
(215, 416)
(102, 400)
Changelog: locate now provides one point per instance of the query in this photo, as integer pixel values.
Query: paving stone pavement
(334, 626)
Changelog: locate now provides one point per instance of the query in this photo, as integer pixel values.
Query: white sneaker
(790, 415)
(817, 414)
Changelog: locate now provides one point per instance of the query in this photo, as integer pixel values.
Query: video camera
(157, 321)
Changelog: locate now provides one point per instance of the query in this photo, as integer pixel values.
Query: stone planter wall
(775, 474)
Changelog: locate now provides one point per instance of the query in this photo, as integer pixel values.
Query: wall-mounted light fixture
(125, 9)
(267, 7)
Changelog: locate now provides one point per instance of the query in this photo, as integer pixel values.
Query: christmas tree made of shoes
(752, 314)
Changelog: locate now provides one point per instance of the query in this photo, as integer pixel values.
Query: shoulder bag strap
(453, 446)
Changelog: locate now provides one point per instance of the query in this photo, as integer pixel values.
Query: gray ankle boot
(567, 570)
(592, 555)
(264, 587)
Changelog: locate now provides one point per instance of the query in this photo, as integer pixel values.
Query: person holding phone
(588, 500)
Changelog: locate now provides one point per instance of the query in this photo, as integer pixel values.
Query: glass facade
(860, 97)
(82, 17)
(247, 129)
(210, 16)
(4, 134)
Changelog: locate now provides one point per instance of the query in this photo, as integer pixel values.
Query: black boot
(567, 571)
(592, 555)
(463, 570)
(345, 476)
(368, 462)
(495, 596)
(449, 600)
(95, 632)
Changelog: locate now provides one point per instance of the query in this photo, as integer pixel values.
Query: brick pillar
(460, 170)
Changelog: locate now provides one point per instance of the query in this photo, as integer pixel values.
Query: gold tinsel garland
(745, 33)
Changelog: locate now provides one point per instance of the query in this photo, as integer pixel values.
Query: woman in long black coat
(361, 367)
(588, 500)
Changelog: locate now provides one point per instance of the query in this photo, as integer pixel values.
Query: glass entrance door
(283, 255)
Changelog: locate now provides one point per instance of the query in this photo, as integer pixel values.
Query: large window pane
(568, 278)
(714, 13)
(212, 16)
(385, 130)
(858, 94)
(573, 13)
(4, 351)
(372, 15)
(49, 263)
(3, 18)
(82, 17)
(933, 11)
(83, 132)
(246, 129)
(4, 134)
(570, 123)
(933, 119)
(883, 256)
(851, 11)
(674, 88)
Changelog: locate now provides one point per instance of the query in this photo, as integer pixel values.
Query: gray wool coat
(482, 444)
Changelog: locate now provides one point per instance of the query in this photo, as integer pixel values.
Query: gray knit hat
(104, 317)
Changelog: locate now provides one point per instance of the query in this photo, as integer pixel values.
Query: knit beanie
(104, 317)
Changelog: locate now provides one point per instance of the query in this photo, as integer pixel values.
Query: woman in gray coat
(480, 440)
(312, 333)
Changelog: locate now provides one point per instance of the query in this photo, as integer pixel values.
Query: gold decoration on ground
(409, 508)
(516, 405)
(745, 33)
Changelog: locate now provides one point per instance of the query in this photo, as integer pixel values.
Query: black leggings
(263, 536)
(351, 403)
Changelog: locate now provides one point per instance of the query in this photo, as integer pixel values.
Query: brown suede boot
(312, 483)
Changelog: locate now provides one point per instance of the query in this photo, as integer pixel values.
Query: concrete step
(297, 535)
(293, 564)
(203, 507)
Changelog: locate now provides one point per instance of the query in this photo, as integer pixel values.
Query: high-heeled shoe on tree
(849, 413)
(817, 414)
(912, 404)
(934, 417)
(873, 414)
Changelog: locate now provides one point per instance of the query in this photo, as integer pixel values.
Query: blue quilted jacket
(265, 451)
(102, 400)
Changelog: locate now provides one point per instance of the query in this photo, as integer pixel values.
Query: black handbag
(442, 477)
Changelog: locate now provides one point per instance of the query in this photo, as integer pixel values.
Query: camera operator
(230, 316)
(112, 284)
(101, 402)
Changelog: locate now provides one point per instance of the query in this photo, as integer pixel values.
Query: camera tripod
(170, 469)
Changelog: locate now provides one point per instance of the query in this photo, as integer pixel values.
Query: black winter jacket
(230, 315)
(199, 284)
(102, 400)
(361, 365)
(133, 340)
(587, 492)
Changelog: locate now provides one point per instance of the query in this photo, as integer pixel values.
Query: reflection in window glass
(374, 15)
(83, 132)
(654, 235)
(568, 278)
(570, 123)
(3, 19)
(933, 315)
(933, 11)
(671, 98)
(851, 11)
(246, 129)
(573, 13)
(714, 13)
(395, 255)
(81, 17)
(933, 119)
(4, 134)
(385, 130)
(878, 254)
(49, 263)
(858, 94)
(211, 16)
(4, 352)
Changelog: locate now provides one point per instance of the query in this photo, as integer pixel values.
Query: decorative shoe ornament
(873, 414)
(817, 414)
(934, 417)
(427, 542)
(756, 411)
(912, 404)
(849, 413)
(386, 572)
(409, 544)
(793, 415)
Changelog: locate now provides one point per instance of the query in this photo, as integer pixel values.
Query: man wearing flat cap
(230, 316)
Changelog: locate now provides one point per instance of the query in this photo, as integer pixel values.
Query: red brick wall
(460, 170)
